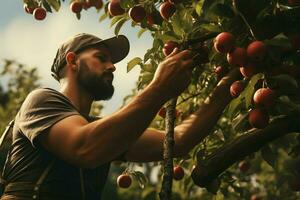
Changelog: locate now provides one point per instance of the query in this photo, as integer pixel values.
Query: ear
(71, 58)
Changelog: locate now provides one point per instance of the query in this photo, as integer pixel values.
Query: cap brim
(118, 46)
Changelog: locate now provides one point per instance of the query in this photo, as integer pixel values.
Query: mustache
(108, 74)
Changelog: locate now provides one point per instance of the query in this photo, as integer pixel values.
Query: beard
(95, 84)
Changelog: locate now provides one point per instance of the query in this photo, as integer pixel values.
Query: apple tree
(17, 80)
(252, 150)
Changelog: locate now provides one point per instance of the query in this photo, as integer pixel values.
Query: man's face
(95, 73)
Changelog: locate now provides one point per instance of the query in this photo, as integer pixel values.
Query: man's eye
(102, 58)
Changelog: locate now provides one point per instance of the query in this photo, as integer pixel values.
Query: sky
(35, 43)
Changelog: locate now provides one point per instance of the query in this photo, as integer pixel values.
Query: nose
(111, 67)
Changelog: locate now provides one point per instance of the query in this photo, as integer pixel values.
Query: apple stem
(166, 189)
(244, 19)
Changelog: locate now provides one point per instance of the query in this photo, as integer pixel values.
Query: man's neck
(78, 97)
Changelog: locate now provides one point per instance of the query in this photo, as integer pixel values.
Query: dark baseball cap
(118, 47)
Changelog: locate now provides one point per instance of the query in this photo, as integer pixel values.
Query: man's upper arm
(64, 139)
(41, 111)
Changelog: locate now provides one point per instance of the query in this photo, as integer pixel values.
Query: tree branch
(205, 172)
(166, 189)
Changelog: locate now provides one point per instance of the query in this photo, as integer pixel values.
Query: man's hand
(191, 131)
(173, 75)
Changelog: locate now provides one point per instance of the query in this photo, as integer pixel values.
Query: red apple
(178, 173)
(98, 4)
(254, 197)
(124, 181)
(237, 88)
(221, 71)
(293, 2)
(28, 9)
(115, 9)
(238, 57)
(249, 70)
(167, 10)
(224, 42)
(169, 47)
(39, 13)
(86, 5)
(244, 166)
(256, 51)
(150, 19)
(162, 112)
(76, 7)
(137, 13)
(264, 97)
(258, 118)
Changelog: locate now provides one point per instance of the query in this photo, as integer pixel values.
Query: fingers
(177, 54)
(184, 55)
(190, 64)
(174, 52)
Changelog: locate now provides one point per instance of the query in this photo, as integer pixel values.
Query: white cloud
(35, 42)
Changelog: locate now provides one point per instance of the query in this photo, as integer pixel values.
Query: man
(59, 152)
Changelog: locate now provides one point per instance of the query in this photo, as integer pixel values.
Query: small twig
(203, 38)
(244, 19)
(183, 100)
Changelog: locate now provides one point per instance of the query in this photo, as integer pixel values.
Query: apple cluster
(249, 61)
(124, 180)
(77, 6)
(138, 13)
(40, 13)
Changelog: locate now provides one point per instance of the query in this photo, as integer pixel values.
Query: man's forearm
(199, 124)
(112, 135)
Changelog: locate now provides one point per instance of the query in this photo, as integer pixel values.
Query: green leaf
(240, 123)
(198, 7)
(222, 10)
(141, 178)
(283, 81)
(249, 90)
(148, 54)
(146, 77)
(280, 41)
(288, 103)
(234, 106)
(55, 4)
(135, 61)
(115, 19)
(119, 26)
(269, 156)
(103, 17)
(47, 6)
(143, 30)
(211, 27)
(181, 22)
